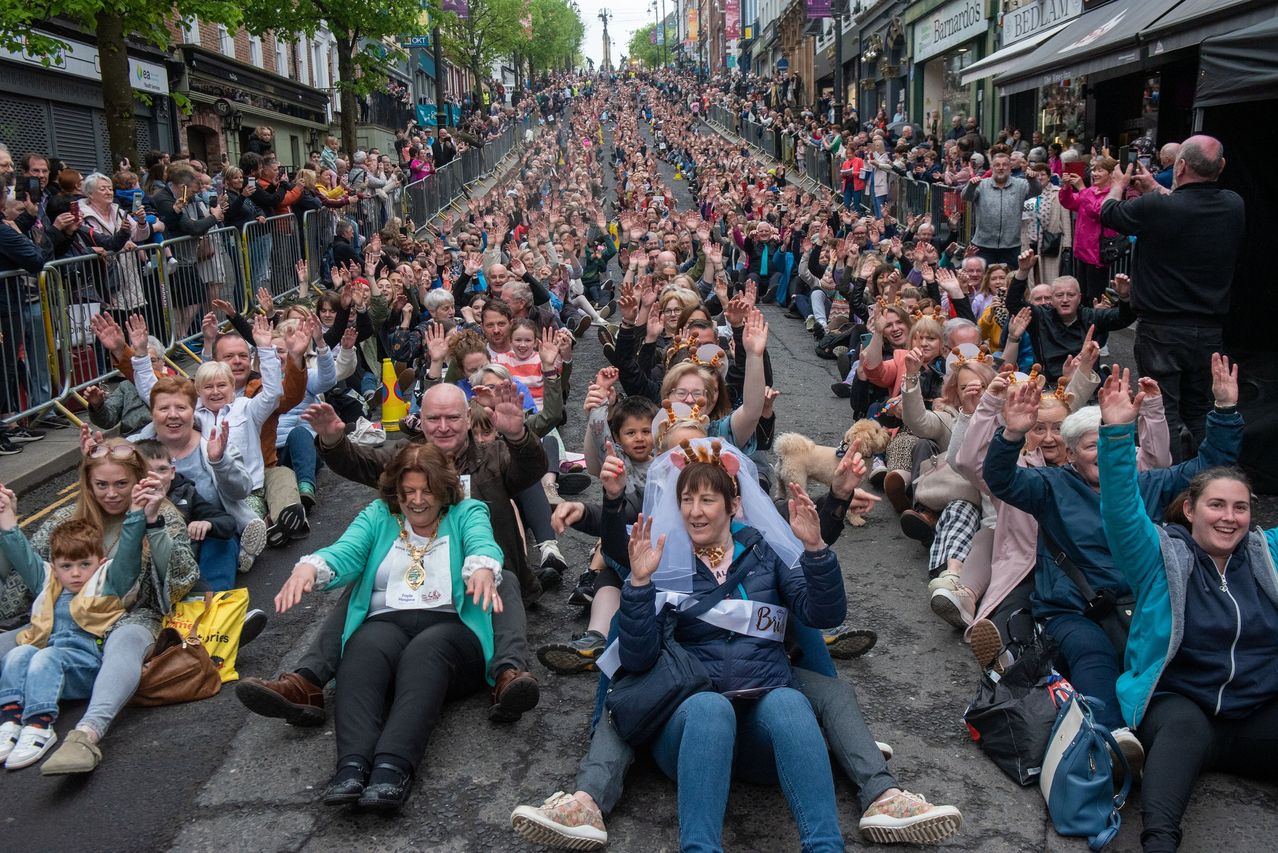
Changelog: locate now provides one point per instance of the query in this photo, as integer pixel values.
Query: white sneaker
(1133, 751)
(551, 556)
(885, 749)
(958, 607)
(252, 543)
(32, 744)
(909, 819)
(9, 737)
(945, 580)
(878, 471)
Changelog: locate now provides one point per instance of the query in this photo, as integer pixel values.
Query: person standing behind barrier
(17, 252)
(1090, 269)
(444, 149)
(1182, 276)
(997, 202)
(184, 215)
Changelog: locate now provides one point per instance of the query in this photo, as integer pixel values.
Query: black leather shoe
(387, 796)
(345, 789)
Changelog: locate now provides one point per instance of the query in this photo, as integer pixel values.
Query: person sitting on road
(79, 596)
(889, 813)
(418, 627)
(123, 407)
(1199, 686)
(1066, 502)
(108, 474)
(493, 473)
(1058, 329)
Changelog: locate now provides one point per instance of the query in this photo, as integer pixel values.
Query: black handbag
(1012, 715)
(1108, 609)
(1113, 248)
(1048, 244)
(640, 703)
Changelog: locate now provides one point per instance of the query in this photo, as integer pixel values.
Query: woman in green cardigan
(418, 628)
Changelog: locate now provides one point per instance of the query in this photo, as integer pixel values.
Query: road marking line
(36, 516)
(74, 485)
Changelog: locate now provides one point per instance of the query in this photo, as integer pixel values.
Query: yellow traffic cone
(678, 174)
(394, 406)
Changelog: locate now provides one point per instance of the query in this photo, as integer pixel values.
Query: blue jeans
(773, 739)
(1091, 662)
(298, 452)
(36, 678)
(851, 197)
(39, 381)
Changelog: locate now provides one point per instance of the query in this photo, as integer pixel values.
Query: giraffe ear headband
(673, 413)
(1033, 376)
(712, 455)
(968, 354)
(711, 356)
(1060, 393)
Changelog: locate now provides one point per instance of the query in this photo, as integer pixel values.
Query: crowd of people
(715, 602)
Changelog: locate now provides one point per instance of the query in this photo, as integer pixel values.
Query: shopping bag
(219, 630)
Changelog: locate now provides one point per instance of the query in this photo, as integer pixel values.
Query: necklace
(711, 555)
(415, 574)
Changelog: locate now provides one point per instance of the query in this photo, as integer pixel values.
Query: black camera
(27, 188)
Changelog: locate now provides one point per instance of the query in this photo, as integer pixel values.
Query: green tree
(557, 35)
(358, 26)
(111, 22)
(491, 31)
(642, 48)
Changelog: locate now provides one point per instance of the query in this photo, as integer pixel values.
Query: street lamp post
(840, 85)
(665, 42)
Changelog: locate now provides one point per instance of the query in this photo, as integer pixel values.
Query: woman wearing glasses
(108, 473)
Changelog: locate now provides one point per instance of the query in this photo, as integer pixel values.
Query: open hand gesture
(1224, 381)
(645, 557)
(507, 415)
(755, 336)
(139, 338)
(324, 420)
(436, 343)
(262, 332)
(8, 508)
(108, 333)
(1116, 403)
(1021, 322)
(1020, 411)
(218, 438)
(804, 520)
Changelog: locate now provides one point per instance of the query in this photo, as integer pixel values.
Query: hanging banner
(694, 24)
(732, 19)
(819, 9)
(460, 8)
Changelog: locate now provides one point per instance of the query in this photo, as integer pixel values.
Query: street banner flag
(694, 25)
(460, 8)
(732, 19)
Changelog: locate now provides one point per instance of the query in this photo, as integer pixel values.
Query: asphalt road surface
(211, 776)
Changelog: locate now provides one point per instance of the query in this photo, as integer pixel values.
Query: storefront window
(956, 99)
(1064, 111)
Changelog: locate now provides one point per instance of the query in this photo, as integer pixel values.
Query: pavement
(212, 777)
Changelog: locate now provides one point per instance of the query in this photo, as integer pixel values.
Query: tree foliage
(358, 27)
(111, 22)
(495, 30)
(642, 48)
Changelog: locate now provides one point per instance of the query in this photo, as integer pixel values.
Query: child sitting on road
(79, 596)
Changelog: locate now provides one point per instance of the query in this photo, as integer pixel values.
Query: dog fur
(801, 460)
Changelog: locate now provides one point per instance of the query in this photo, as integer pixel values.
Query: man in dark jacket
(493, 473)
(1059, 328)
(20, 315)
(1188, 243)
(444, 149)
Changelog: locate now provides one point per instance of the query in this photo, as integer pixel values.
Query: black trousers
(1179, 358)
(1181, 742)
(1092, 280)
(510, 634)
(397, 670)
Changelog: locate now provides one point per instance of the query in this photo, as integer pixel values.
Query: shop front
(57, 109)
(230, 99)
(944, 41)
(882, 61)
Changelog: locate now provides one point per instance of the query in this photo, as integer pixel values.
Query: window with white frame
(318, 65)
(303, 52)
(281, 57)
(226, 42)
(255, 50)
(191, 31)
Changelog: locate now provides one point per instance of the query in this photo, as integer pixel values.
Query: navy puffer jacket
(812, 593)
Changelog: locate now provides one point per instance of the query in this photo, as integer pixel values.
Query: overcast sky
(621, 23)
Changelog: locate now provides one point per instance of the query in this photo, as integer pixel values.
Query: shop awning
(1239, 66)
(1098, 40)
(1195, 20)
(1001, 60)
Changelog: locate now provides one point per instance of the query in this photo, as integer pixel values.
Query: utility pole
(607, 58)
(665, 41)
(840, 9)
(441, 92)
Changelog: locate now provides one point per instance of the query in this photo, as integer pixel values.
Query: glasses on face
(115, 451)
(687, 395)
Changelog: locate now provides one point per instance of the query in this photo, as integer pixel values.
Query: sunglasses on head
(116, 451)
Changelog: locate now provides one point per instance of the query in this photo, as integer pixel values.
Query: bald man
(493, 473)
(1167, 161)
(1188, 239)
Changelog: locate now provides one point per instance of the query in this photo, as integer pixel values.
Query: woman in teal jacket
(1199, 686)
(426, 569)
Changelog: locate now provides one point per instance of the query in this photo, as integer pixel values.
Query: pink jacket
(889, 373)
(1087, 226)
(1015, 532)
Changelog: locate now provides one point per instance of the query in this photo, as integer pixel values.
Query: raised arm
(746, 417)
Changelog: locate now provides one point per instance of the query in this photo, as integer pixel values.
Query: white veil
(660, 503)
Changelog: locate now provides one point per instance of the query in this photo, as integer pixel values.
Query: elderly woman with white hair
(123, 231)
(1071, 541)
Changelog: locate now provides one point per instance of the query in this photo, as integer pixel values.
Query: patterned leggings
(958, 523)
(900, 451)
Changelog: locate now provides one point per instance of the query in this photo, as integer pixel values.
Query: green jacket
(356, 556)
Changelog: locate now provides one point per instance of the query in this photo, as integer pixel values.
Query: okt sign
(949, 25)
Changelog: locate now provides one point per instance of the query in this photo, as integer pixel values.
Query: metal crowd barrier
(30, 361)
(273, 249)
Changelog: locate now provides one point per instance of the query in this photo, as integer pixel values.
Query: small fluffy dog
(799, 459)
